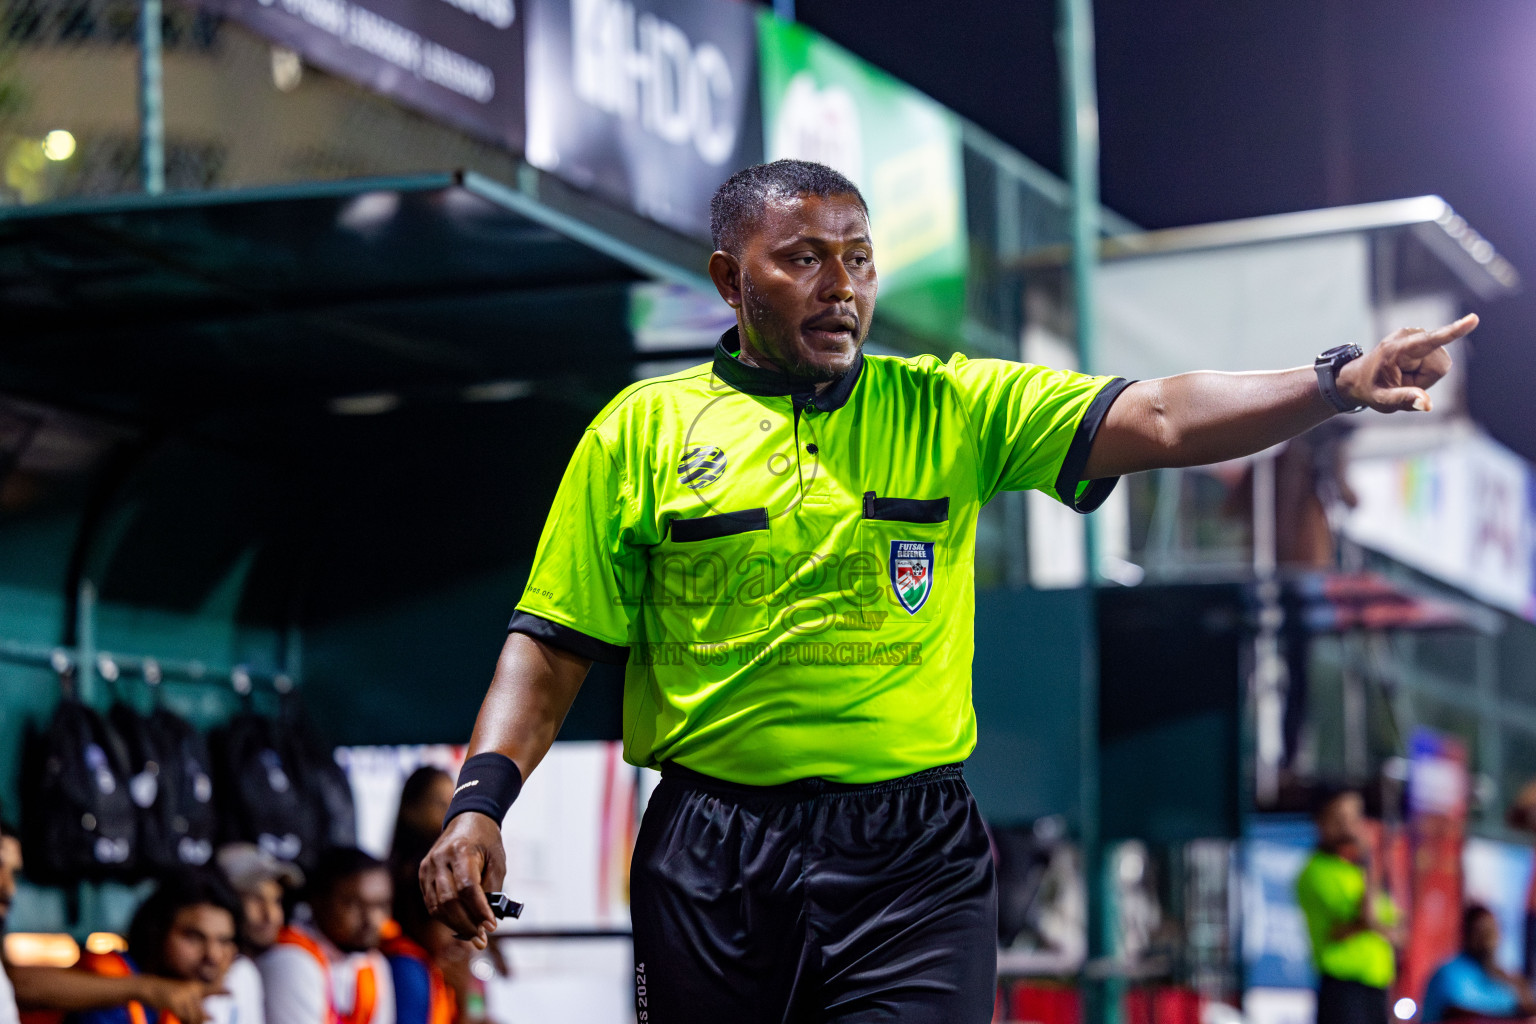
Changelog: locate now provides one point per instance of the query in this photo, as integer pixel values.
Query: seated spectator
(262, 882)
(330, 971)
(414, 948)
(1473, 984)
(185, 930)
(430, 967)
(60, 989)
(424, 803)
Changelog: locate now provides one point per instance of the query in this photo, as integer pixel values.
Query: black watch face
(1335, 352)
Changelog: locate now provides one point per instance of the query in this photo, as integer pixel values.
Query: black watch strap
(1327, 366)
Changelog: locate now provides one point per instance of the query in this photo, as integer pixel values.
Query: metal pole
(1269, 668)
(151, 99)
(85, 657)
(1080, 123)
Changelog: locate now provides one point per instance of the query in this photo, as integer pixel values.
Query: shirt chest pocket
(909, 539)
(710, 580)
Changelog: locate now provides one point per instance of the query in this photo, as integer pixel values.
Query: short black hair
(1470, 915)
(152, 921)
(335, 864)
(739, 202)
(1326, 794)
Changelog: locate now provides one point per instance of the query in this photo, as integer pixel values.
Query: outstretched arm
(1198, 418)
(531, 692)
(72, 990)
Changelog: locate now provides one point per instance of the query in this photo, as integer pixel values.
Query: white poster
(1461, 512)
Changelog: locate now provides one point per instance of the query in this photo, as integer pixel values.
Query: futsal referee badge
(912, 572)
(700, 466)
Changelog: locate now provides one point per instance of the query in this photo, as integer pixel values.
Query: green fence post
(1080, 123)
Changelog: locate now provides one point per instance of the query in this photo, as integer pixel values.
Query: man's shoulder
(923, 365)
(243, 973)
(287, 957)
(1316, 867)
(958, 371)
(642, 399)
(924, 377)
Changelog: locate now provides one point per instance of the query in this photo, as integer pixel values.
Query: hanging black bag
(257, 790)
(327, 792)
(187, 782)
(78, 820)
(171, 785)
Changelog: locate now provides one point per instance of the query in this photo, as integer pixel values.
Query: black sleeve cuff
(1082, 444)
(567, 639)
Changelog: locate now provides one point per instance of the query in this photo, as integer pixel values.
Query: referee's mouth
(832, 331)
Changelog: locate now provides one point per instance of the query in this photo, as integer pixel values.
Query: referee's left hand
(465, 863)
(1394, 376)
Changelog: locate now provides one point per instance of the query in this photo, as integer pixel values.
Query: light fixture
(58, 145)
(287, 69)
(1405, 1008)
(364, 405)
(105, 942)
(369, 213)
(41, 949)
(497, 391)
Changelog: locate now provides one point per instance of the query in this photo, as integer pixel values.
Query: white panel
(1461, 513)
(1055, 544)
(1258, 307)
(1498, 875)
(1280, 1006)
(564, 981)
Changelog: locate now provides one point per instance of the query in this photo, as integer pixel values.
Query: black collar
(755, 380)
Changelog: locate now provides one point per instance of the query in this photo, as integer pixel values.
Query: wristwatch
(1328, 366)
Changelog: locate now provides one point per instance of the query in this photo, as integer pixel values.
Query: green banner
(902, 149)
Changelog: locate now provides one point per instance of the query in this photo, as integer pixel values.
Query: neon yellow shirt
(790, 575)
(1330, 890)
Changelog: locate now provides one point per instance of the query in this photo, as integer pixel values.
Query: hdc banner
(652, 103)
(902, 149)
(457, 60)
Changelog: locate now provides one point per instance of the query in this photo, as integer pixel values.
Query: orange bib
(442, 1006)
(366, 996)
(115, 965)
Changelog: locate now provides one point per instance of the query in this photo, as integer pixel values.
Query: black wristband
(488, 783)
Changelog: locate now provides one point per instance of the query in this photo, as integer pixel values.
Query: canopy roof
(313, 295)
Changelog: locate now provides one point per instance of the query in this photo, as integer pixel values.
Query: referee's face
(803, 285)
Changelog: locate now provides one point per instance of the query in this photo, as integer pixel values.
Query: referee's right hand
(465, 863)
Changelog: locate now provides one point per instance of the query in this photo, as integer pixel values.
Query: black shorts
(1349, 1002)
(814, 902)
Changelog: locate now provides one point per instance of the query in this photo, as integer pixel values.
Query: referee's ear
(725, 271)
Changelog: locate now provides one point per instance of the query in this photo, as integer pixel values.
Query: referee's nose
(837, 284)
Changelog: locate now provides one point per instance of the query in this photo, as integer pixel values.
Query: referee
(779, 547)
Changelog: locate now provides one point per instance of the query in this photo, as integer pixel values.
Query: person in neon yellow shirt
(779, 546)
(1350, 919)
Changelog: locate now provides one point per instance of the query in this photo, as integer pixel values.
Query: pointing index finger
(1427, 342)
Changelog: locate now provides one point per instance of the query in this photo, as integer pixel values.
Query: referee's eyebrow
(818, 240)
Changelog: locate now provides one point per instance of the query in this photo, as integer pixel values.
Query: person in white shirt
(262, 882)
(329, 970)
